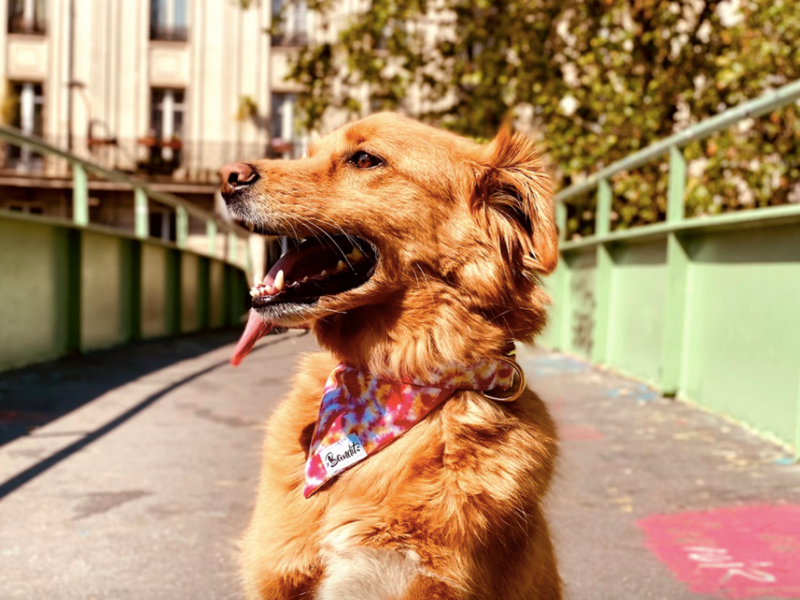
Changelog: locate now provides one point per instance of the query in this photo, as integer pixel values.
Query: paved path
(142, 485)
(636, 470)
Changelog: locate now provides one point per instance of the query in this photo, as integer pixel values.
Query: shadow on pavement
(33, 396)
(66, 384)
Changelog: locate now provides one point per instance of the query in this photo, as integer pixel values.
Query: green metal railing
(70, 285)
(142, 192)
(595, 283)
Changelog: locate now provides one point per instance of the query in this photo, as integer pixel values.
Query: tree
(598, 79)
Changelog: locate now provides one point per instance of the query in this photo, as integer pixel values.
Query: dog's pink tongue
(255, 329)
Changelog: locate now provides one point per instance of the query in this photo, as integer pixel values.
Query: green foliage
(598, 79)
(248, 108)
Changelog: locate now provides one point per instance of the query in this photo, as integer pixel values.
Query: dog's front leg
(267, 585)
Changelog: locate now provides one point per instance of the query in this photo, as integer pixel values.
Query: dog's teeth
(305, 278)
(269, 290)
(356, 254)
(341, 266)
(279, 281)
(324, 273)
(253, 293)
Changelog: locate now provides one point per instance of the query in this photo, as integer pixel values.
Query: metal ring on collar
(520, 387)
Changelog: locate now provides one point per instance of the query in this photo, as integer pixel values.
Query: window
(168, 20)
(162, 224)
(27, 115)
(167, 110)
(282, 125)
(26, 16)
(292, 27)
(166, 117)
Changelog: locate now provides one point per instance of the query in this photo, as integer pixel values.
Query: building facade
(168, 87)
(168, 90)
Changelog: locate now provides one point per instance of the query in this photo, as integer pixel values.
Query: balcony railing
(27, 26)
(169, 33)
(176, 160)
(289, 39)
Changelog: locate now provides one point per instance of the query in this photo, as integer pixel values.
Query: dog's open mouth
(316, 267)
(313, 268)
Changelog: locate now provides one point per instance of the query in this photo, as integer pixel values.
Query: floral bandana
(361, 413)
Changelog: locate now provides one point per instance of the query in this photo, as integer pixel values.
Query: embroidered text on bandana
(361, 413)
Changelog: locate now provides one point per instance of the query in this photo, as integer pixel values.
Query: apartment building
(166, 89)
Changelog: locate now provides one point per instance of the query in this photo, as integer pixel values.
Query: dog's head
(420, 246)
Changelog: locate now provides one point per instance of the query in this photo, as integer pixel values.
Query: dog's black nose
(236, 175)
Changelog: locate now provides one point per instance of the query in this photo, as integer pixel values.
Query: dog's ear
(514, 185)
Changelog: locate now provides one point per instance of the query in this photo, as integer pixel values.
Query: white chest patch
(367, 574)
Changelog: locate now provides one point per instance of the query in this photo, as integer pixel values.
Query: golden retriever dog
(414, 248)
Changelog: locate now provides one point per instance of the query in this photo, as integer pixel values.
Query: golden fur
(453, 508)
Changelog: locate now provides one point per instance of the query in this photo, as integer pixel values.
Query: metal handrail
(141, 189)
(753, 108)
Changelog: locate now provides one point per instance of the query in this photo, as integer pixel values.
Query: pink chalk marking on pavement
(742, 552)
(578, 432)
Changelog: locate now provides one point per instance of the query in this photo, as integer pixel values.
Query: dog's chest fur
(446, 502)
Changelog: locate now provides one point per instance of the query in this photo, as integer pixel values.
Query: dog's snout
(236, 175)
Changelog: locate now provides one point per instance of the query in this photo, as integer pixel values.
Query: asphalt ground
(130, 474)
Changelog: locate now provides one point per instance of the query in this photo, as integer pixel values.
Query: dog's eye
(364, 160)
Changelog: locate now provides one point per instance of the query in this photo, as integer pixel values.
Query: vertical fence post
(561, 220)
(233, 250)
(204, 293)
(678, 263)
(181, 226)
(68, 275)
(211, 234)
(602, 218)
(80, 195)
(141, 213)
(74, 290)
(604, 273)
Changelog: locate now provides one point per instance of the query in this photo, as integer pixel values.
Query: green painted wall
(556, 317)
(65, 288)
(742, 348)
(581, 304)
(30, 293)
(637, 310)
(154, 290)
(730, 329)
(101, 286)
